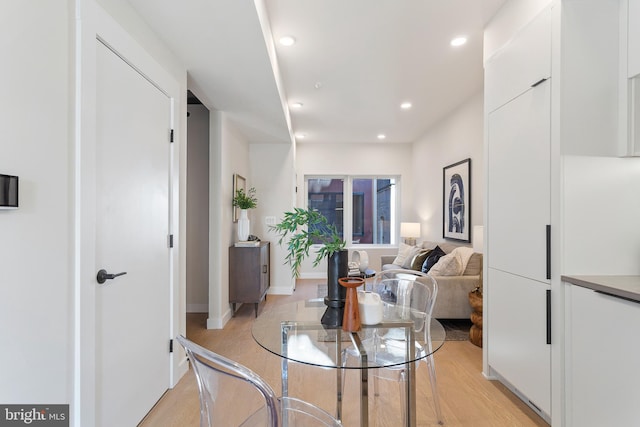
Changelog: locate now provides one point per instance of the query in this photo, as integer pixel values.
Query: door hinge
(171, 136)
(170, 240)
(170, 346)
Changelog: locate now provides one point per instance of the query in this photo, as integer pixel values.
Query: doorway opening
(197, 251)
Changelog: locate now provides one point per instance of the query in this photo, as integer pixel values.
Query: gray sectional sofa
(452, 301)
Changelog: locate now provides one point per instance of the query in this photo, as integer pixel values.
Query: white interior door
(132, 225)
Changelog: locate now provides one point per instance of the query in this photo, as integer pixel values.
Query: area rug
(456, 329)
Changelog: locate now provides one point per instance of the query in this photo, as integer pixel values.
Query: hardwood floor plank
(466, 397)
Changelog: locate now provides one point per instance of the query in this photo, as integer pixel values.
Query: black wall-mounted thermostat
(8, 192)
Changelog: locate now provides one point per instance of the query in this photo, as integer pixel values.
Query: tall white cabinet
(552, 77)
(519, 212)
(633, 77)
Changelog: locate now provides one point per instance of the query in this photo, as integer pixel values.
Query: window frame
(347, 189)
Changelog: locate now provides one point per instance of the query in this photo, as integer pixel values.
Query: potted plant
(244, 200)
(299, 230)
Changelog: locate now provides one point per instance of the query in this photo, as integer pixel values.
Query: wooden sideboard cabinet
(248, 274)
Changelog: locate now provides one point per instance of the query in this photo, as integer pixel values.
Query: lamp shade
(478, 238)
(409, 229)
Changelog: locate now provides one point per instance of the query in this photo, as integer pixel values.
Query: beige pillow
(448, 265)
(405, 255)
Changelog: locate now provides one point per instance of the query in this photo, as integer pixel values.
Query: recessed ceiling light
(287, 40)
(458, 41)
(405, 105)
(301, 135)
(318, 85)
(382, 136)
(297, 105)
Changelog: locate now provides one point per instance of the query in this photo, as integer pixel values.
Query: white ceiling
(368, 56)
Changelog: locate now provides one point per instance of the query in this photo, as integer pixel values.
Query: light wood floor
(466, 397)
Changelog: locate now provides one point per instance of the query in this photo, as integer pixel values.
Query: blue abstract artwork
(457, 200)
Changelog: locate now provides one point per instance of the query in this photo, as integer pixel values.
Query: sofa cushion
(405, 255)
(452, 264)
(432, 258)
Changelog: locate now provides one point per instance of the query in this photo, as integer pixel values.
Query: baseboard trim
(313, 276)
(281, 290)
(197, 308)
(546, 417)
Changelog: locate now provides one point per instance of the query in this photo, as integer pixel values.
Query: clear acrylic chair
(406, 295)
(212, 370)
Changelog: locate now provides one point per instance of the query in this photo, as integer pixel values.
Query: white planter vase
(243, 226)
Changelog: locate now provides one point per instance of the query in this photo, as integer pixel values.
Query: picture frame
(456, 201)
(239, 182)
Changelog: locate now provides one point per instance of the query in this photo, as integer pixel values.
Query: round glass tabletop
(293, 331)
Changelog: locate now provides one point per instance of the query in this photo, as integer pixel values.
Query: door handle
(103, 276)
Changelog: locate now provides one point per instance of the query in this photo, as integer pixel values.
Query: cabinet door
(633, 83)
(602, 354)
(264, 268)
(633, 44)
(525, 60)
(519, 184)
(517, 329)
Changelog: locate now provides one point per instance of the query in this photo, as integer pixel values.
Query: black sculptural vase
(338, 266)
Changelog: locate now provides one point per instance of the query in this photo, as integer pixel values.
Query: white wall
(229, 154)
(197, 209)
(356, 159)
(272, 174)
(457, 137)
(601, 233)
(35, 243)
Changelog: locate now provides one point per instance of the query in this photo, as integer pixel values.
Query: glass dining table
(293, 332)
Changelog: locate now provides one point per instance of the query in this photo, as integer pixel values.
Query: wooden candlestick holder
(351, 317)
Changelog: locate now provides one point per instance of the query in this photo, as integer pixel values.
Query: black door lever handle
(103, 276)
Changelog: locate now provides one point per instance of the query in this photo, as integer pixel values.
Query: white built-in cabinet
(555, 92)
(633, 76)
(633, 38)
(518, 94)
(601, 359)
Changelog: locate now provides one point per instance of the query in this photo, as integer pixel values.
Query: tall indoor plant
(243, 201)
(302, 228)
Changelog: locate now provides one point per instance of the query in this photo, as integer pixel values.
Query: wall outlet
(270, 220)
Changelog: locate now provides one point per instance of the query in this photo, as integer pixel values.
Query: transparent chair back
(233, 395)
(407, 295)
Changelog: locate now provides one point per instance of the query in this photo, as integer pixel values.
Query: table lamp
(410, 231)
(478, 238)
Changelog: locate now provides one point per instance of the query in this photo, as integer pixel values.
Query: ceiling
(354, 62)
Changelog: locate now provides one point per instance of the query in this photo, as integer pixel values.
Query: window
(370, 203)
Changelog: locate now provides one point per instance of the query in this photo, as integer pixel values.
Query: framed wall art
(239, 182)
(456, 214)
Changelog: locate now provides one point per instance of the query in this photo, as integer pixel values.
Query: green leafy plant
(303, 228)
(246, 200)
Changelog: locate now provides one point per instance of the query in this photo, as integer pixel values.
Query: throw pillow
(432, 258)
(418, 259)
(410, 256)
(464, 253)
(404, 251)
(448, 265)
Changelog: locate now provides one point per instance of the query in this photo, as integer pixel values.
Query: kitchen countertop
(627, 287)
